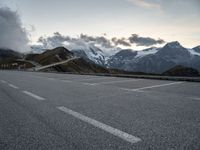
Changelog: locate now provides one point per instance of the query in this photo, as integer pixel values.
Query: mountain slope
(181, 71)
(51, 56)
(9, 54)
(79, 65)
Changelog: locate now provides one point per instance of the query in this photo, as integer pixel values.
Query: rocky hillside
(181, 71)
(51, 56)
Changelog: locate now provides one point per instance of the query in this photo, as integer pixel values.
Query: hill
(181, 71)
(50, 56)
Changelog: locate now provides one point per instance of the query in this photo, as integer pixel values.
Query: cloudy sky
(129, 23)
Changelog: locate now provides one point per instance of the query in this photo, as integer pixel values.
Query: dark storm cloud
(84, 41)
(54, 41)
(144, 41)
(58, 39)
(121, 41)
(101, 40)
(12, 34)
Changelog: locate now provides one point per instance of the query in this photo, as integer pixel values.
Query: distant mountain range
(152, 60)
(94, 60)
(10, 59)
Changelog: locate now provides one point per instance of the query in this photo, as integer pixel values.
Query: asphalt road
(64, 111)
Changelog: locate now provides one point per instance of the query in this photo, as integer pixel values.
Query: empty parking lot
(66, 111)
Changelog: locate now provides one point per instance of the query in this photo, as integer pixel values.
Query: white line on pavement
(120, 81)
(34, 95)
(96, 78)
(66, 81)
(123, 135)
(50, 78)
(13, 86)
(195, 98)
(3, 81)
(150, 87)
(108, 82)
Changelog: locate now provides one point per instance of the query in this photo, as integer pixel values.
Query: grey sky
(166, 19)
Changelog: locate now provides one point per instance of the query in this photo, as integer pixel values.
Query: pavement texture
(47, 111)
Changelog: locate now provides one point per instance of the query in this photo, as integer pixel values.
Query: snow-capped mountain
(156, 60)
(93, 53)
(195, 50)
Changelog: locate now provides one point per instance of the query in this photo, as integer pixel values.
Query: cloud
(12, 34)
(54, 41)
(144, 41)
(81, 41)
(144, 3)
(84, 41)
(121, 41)
(99, 40)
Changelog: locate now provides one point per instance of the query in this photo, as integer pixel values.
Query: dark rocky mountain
(181, 71)
(9, 54)
(10, 59)
(51, 56)
(79, 65)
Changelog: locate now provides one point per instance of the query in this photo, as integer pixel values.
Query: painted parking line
(151, 87)
(109, 82)
(67, 81)
(123, 135)
(13, 86)
(195, 98)
(3, 81)
(51, 79)
(33, 95)
(97, 78)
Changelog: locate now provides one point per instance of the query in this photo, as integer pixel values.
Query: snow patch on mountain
(146, 52)
(193, 52)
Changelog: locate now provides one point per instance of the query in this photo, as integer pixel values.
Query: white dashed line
(150, 87)
(123, 135)
(3, 81)
(13, 86)
(34, 95)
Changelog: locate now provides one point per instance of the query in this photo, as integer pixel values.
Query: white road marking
(50, 78)
(13, 86)
(150, 87)
(89, 83)
(195, 98)
(108, 82)
(34, 95)
(3, 81)
(99, 78)
(130, 80)
(66, 81)
(123, 135)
